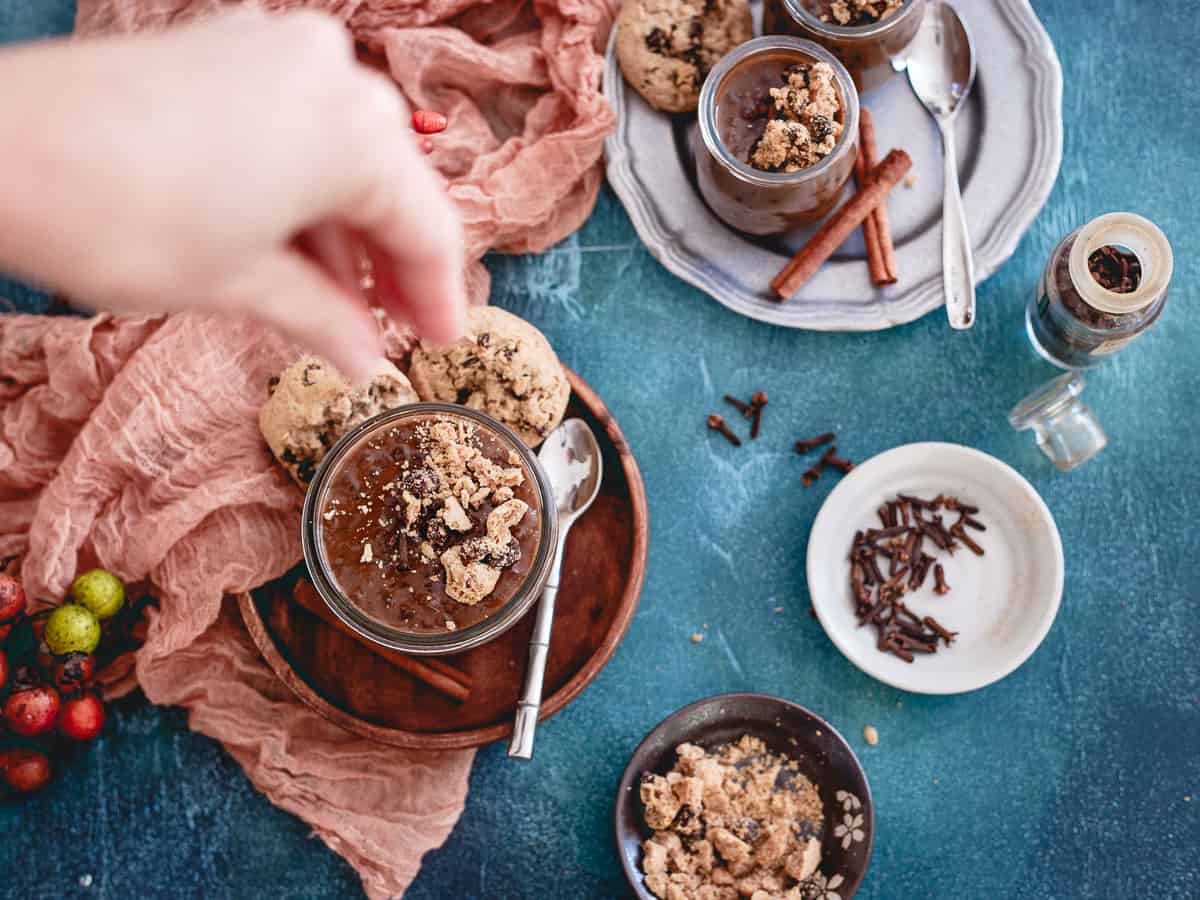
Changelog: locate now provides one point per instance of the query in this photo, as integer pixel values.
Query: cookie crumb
(910, 180)
(85, 880)
(368, 554)
(451, 625)
(697, 637)
(779, 609)
(871, 735)
(804, 128)
(736, 821)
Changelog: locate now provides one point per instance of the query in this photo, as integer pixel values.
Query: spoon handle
(958, 268)
(520, 746)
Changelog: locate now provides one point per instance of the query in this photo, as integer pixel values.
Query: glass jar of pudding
(735, 117)
(426, 530)
(1104, 284)
(872, 42)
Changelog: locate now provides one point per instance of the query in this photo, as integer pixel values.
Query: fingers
(295, 296)
(413, 232)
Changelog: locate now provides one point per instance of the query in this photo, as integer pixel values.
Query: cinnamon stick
(869, 151)
(838, 227)
(870, 226)
(452, 682)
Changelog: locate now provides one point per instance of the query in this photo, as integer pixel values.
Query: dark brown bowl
(824, 757)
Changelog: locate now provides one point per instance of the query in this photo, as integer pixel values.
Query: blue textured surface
(1078, 776)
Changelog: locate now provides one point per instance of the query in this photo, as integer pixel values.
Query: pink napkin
(518, 81)
(134, 444)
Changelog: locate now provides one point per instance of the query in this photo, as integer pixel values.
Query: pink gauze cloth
(518, 81)
(134, 444)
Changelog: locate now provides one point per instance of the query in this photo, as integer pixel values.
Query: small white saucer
(1001, 604)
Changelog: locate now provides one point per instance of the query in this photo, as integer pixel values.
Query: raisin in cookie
(667, 47)
(504, 367)
(311, 405)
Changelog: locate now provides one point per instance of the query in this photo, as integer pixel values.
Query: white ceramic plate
(1009, 147)
(1001, 604)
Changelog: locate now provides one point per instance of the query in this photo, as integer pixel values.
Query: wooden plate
(603, 570)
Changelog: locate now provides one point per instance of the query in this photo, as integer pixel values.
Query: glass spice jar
(1104, 284)
(872, 53)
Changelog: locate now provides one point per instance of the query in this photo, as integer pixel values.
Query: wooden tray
(602, 576)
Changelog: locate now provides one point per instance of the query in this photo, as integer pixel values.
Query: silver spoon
(941, 70)
(571, 458)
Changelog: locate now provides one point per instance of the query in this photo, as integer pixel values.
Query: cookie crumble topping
(804, 127)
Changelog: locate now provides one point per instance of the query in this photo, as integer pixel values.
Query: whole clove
(912, 643)
(942, 632)
(939, 580)
(811, 444)
(810, 475)
(961, 533)
(744, 408)
(842, 465)
(716, 423)
(757, 402)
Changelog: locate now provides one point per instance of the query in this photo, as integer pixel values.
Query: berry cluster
(47, 663)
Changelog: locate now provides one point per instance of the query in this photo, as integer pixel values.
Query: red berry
(3, 668)
(25, 770)
(426, 121)
(82, 717)
(12, 597)
(73, 671)
(32, 711)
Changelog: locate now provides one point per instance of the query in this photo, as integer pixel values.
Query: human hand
(229, 166)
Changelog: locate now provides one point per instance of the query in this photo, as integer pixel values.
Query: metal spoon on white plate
(571, 458)
(941, 70)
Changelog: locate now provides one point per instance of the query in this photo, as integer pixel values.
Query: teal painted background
(1078, 776)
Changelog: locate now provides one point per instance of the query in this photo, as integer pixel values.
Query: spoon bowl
(941, 63)
(571, 458)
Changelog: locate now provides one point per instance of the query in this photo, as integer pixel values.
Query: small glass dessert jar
(732, 119)
(1104, 284)
(402, 514)
(873, 52)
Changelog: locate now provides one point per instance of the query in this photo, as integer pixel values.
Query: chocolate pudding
(430, 525)
(870, 37)
(778, 135)
(778, 115)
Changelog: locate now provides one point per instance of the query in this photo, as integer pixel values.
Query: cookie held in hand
(504, 367)
(311, 405)
(667, 47)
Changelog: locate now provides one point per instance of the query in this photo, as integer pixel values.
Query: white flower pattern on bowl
(850, 831)
(820, 888)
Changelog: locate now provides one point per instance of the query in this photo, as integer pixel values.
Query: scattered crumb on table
(697, 637)
(871, 735)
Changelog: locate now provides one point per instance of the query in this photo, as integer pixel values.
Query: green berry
(99, 591)
(71, 629)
